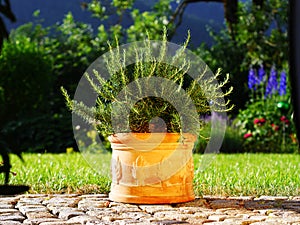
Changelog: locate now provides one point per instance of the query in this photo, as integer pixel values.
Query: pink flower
(247, 135)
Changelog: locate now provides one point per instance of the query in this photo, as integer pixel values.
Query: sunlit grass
(250, 174)
(61, 173)
(232, 175)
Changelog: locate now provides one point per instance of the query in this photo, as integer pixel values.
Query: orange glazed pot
(152, 168)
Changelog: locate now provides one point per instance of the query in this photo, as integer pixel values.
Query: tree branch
(5, 9)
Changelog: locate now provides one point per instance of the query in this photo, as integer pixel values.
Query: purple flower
(261, 74)
(272, 83)
(252, 79)
(282, 84)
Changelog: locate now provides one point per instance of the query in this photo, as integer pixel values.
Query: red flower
(260, 121)
(284, 120)
(247, 135)
(256, 121)
(275, 127)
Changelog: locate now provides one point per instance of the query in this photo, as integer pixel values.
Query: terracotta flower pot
(152, 168)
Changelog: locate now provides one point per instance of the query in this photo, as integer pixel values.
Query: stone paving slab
(97, 209)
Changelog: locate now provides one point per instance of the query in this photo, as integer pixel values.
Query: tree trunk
(5, 10)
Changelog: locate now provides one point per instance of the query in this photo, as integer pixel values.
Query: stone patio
(98, 209)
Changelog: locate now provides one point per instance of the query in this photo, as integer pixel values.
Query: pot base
(150, 199)
(177, 189)
(161, 176)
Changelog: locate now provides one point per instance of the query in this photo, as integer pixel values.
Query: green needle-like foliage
(127, 83)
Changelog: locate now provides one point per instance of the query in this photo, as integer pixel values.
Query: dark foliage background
(43, 55)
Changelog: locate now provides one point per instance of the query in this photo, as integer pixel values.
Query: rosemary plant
(164, 77)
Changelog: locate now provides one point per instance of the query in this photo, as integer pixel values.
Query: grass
(250, 174)
(60, 173)
(227, 175)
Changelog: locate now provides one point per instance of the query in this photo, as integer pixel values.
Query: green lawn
(250, 174)
(234, 175)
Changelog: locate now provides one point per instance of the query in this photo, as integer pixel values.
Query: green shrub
(40, 133)
(232, 142)
(70, 45)
(266, 129)
(259, 36)
(266, 124)
(26, 78)
(30, 116)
